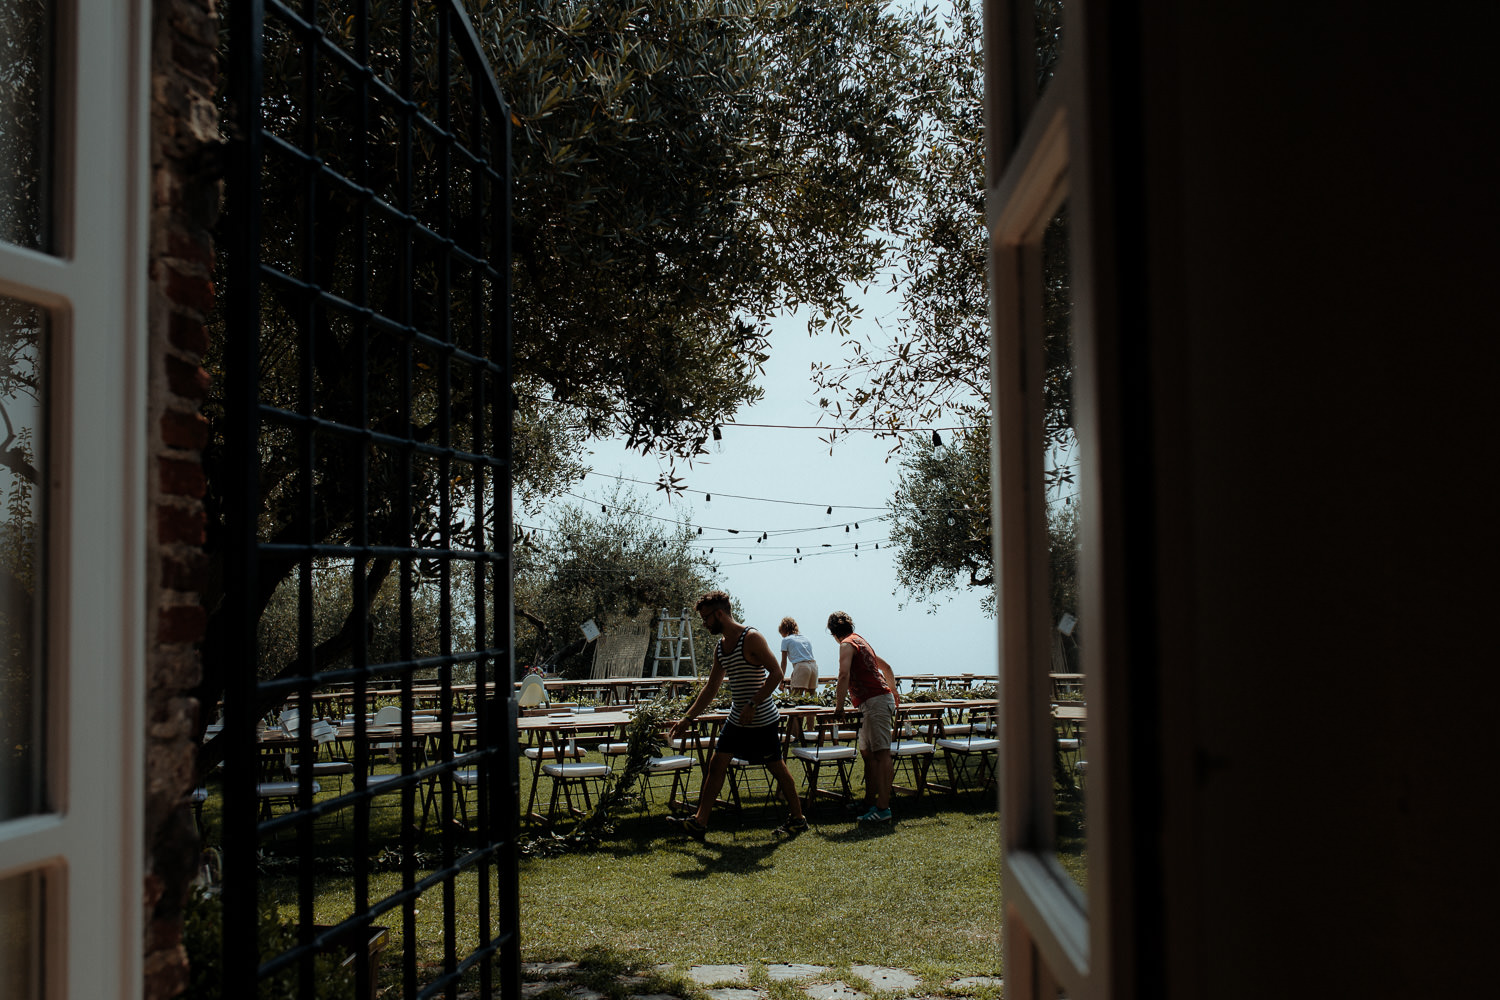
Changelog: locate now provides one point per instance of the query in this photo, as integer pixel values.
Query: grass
(921, 893)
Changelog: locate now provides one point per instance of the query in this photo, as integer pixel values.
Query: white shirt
(797, 648)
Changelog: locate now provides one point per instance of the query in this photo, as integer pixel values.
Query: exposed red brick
(184, 623)
(191, 291)
(187, 573)
(179, 526)
(184, 430)
(182, 478)
(188, 381)
(198, 60)
(187, 333)
(193, 249)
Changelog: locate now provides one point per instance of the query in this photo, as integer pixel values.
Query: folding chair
(913, 752)
(273, 785)
(556, 756)
(960, 751)
(826, 752)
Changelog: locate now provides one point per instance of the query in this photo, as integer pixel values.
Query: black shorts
(754, 744)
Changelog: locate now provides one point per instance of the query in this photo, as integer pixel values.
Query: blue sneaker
(876, 816)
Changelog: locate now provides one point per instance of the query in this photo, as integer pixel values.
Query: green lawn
(922, 893)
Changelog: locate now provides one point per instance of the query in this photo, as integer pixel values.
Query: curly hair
(840, 624)
(788, 626)
(713, 600)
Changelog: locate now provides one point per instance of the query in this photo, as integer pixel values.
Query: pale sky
(793, 465)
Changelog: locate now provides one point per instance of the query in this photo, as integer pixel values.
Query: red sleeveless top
(865, 679)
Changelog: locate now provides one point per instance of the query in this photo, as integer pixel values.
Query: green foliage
(940, 516)
(935, 363)
(615, 565)
(644, 735)
(24, 43)
(203, 939)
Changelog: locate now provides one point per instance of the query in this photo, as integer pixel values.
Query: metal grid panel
(368, 434)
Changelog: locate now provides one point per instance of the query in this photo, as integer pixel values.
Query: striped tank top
(745, 678)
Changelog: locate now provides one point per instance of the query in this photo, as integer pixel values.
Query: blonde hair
(788, 626)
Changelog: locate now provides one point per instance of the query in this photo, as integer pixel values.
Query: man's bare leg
(788, 786)
(718, 766)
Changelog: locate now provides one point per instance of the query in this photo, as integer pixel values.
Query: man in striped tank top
(753, 732)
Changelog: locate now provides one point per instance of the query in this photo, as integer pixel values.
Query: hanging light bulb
(717, 435)
(846, 529)
(707, 497)
(799, 550)
(937, 440)
(700, 531)
(856, 525)
(710, 550)
(603, 509)
(830, 510)
(856, 546)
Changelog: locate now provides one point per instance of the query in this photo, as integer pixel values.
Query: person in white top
(794, 646)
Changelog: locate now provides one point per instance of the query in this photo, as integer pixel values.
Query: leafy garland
(644, 736)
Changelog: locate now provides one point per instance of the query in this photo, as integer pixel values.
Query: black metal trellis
(367, 459)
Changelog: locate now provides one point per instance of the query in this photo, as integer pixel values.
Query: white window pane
(25, 95)
(21, 936)
(23, 343)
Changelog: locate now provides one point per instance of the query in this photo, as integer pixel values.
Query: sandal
(689, 826)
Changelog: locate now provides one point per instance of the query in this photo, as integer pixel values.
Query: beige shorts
(877, 722)
(805, 674)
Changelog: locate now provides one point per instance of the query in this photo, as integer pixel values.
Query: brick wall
(185, 195)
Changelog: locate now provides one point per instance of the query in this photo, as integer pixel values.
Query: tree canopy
(616, 565)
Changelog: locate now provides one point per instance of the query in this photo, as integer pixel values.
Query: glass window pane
(25, 97)
(21, 936)
(23, 343)
(1064, 492)
(1049, 40)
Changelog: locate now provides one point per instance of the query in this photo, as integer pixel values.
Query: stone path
(733, 982)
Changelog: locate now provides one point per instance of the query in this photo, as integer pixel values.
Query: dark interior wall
(1320, 200)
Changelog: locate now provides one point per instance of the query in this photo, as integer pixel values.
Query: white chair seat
(1066, 744)
(575, 770)
(466, 778)
(958, 729)
(325, 768)
(911, 748)
(1081, 767)
(691, 743)
(277, 789)
(549, 752)
(199, 796)
(824, 753)
(614, 749)
(375, 781)
(661, 765)
(970, 744)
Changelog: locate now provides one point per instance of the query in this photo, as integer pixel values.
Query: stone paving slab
(547, 968)
(736, 993)
(781, 972)
(584, 993)
(976, 982)
(529, 990)
(835, 991)
(883, 978)
(706, 975)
